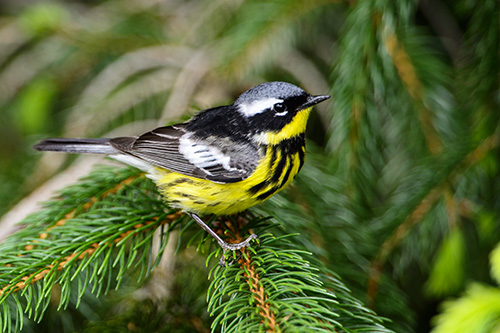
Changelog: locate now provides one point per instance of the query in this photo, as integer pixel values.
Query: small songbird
(224, 159)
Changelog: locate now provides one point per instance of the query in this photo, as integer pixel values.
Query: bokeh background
(400, 194)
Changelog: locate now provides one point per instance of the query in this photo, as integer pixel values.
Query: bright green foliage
(42, 18)
(34, 105)
(495, 263)
(447, 275)
(477, 311)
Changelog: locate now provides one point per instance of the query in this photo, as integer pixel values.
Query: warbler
(224, 159)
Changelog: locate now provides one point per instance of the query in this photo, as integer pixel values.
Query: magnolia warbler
(224, 159)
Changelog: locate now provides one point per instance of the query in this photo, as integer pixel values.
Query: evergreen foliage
(396, 209)
(93, 233)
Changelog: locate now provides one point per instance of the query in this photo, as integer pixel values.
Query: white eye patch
(259, 106)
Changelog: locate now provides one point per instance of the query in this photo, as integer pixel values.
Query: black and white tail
(77, 146)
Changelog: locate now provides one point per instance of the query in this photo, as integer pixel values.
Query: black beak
(313, 100)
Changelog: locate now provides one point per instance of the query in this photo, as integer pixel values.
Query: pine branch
(93, 233)
(277, 287)
(430, 191)
(90, 235)
(409, 77)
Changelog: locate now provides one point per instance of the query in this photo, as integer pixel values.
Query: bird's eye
(280, 109)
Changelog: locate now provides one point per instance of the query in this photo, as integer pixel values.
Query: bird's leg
(225, 246)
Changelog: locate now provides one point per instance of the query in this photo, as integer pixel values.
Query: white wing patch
(203, 156)
(258, 106)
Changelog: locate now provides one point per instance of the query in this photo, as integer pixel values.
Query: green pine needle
(277, 287)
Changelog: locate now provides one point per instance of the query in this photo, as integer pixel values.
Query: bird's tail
(77, 146)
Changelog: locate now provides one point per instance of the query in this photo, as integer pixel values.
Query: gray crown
(276, 89)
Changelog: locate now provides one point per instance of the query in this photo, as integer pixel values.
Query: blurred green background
(400, 194)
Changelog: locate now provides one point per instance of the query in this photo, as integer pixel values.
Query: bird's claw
(234, 247)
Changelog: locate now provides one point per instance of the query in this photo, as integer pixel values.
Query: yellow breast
(276, 169)
(282, 154)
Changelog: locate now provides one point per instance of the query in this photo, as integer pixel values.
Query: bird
(223, 160)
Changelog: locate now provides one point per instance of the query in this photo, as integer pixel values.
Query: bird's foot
(234, 247)
(225, 246)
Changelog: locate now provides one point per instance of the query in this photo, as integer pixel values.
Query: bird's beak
(313, 100)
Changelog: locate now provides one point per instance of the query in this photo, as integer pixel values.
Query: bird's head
(276, 111)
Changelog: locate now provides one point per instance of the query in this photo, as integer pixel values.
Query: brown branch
(259, 293)
(395, 239)
(357, 110)
(251, 275)
(85, 207)
(421, 210)
(34, 277)
(408, 75)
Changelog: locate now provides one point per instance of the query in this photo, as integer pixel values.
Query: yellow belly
(206, 197)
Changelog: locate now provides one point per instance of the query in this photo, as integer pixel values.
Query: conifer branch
(408, 74)
(255, 286)
(91, 234)
(94, 232)
(273, 287)
(470, 159)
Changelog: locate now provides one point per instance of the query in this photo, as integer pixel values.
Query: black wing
(176, 149)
